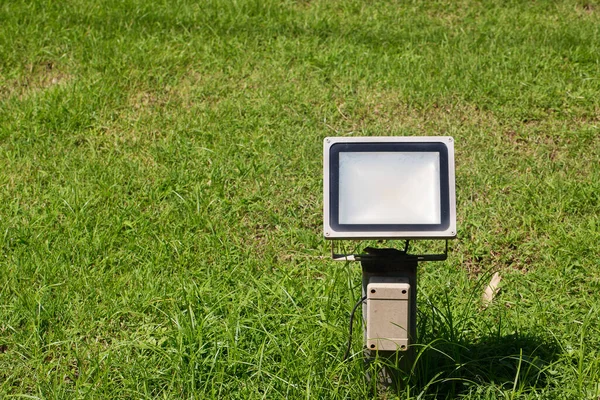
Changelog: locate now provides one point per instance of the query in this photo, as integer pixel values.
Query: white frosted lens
(389, 188)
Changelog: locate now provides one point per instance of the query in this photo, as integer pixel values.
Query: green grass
(160, 194)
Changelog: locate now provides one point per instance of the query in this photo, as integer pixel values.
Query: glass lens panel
(389, 188)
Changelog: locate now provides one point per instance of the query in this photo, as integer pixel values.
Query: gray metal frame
(330, 233)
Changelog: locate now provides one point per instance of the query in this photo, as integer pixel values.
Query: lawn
(161, 179)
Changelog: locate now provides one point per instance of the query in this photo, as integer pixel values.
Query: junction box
(388, 316)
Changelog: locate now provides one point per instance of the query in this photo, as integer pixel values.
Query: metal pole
(396, 365)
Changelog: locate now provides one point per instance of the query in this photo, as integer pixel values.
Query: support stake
(390, 265)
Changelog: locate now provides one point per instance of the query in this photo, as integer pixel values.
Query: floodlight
(389, 187)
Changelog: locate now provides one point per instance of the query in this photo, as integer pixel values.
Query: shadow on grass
(516, 362)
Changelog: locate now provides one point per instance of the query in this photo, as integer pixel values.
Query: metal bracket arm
(376, 253)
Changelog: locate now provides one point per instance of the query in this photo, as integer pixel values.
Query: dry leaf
(491, 289)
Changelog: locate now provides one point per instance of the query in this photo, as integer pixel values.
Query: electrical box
(388, 314)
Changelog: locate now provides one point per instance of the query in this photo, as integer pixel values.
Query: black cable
(351, 320)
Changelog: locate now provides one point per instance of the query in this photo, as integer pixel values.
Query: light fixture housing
(389, 188)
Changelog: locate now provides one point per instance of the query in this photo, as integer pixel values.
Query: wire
(347, 354)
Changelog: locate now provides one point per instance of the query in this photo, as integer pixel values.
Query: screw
(327, 234)
(449, 139)
(328, 140)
